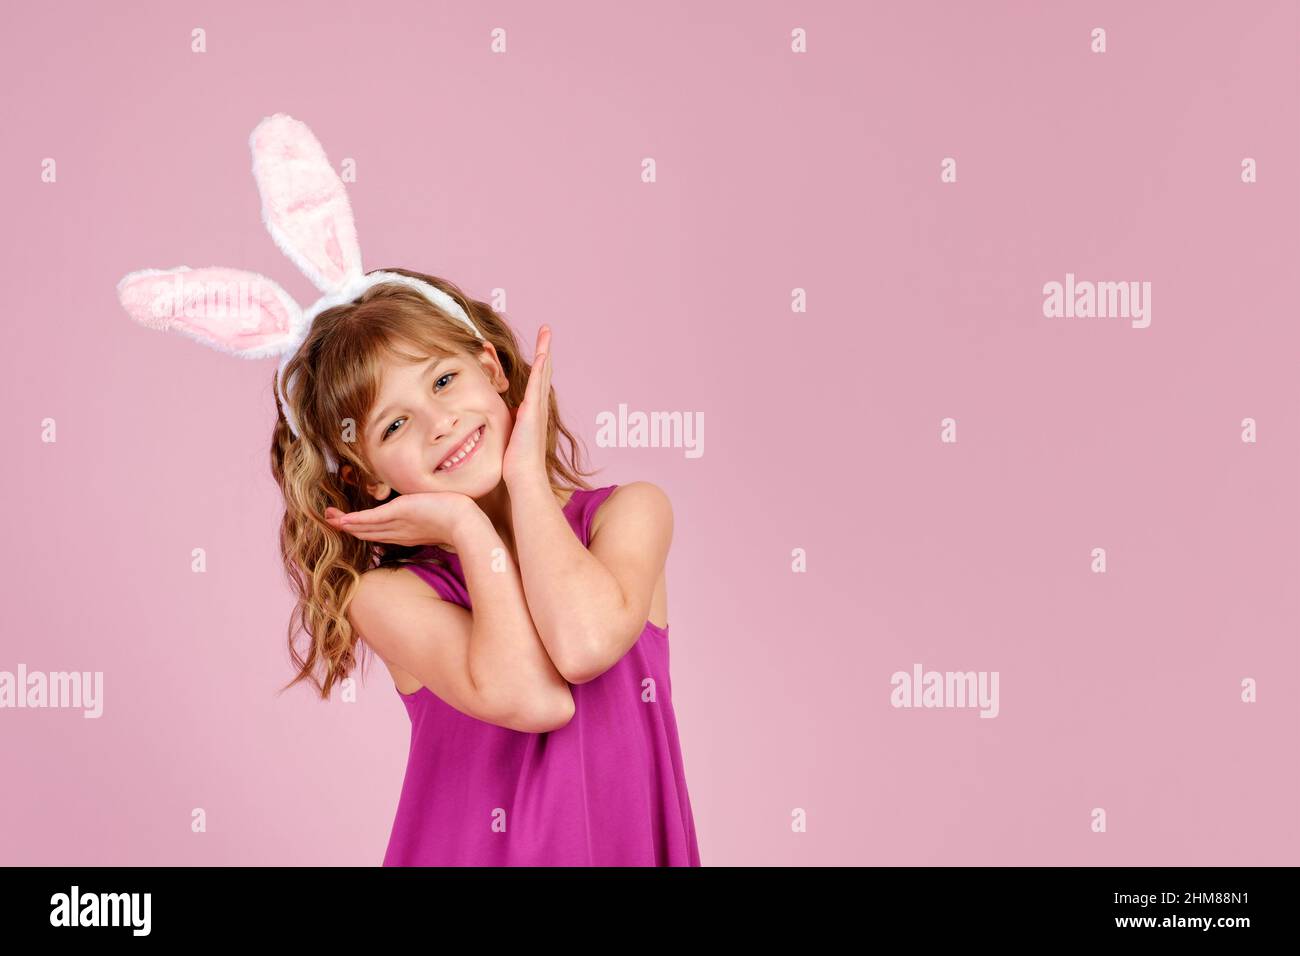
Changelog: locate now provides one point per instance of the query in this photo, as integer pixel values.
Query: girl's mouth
(453, 463)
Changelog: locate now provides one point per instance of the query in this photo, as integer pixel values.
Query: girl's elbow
(584, 664)
(548, 716)
(598, 654)
(564, 714)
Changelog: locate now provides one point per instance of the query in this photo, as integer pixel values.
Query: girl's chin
(480, 478)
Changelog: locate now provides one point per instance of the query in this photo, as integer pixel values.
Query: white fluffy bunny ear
(241, 313)
(304, 203)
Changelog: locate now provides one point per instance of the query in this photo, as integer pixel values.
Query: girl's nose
(443, 430)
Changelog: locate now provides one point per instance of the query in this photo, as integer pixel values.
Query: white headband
(306, 210)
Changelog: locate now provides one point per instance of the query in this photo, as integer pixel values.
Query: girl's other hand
(420, 518)
(525, 455)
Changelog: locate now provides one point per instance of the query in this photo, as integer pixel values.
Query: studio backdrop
(961, 338)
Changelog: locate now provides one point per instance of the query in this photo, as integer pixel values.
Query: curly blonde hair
(337, 372)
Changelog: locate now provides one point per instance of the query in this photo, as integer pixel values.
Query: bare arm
(507, 658)
(490, 664)
(590, 606)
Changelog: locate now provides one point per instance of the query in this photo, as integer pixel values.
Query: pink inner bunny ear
(242, 313)
(304, 203)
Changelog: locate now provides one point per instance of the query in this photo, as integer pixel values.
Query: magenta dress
(606, 789)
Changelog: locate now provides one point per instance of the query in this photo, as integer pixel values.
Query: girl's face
(426, 412)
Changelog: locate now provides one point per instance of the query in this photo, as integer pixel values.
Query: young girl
(521, 613)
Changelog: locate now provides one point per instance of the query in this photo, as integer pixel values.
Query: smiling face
(434, 410)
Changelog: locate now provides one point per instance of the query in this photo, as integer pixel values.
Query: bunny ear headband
(306, 210)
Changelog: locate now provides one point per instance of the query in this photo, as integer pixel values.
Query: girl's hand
(525, 455)
(426, 517)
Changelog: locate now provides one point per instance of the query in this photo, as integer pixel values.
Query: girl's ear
(491, 363)
(377, 490)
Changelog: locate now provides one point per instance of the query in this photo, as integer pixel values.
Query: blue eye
(385, 435)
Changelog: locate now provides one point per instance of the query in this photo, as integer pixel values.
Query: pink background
(775, 171)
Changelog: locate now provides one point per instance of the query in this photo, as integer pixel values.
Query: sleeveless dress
(606, 789)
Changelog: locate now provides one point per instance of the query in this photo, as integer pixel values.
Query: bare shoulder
(378, 592)
(635, 504)
(631, 534)
(389, 580)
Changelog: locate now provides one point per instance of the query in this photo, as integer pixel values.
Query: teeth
(465, 449)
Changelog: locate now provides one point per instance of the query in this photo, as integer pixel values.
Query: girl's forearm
(571, 595)
(507, 660)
